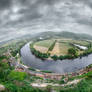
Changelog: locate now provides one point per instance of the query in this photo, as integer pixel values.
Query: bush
(46, 71)
(14, 53)
(10, 87)
(83, 86)
(14, 75)
(55, 57)
(39, 54)
(72, 51)
(2, 57)
(89, 74)
(32, 69)
(4, 70)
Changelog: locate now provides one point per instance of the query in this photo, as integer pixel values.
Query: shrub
(10, 87)
(2, 57)
(4, 70)
(89, 74)
(46, 71)
(72, 51)
(14, 75)
(55, 57)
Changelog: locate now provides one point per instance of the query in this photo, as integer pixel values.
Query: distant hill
(50, 34)
(72, 35)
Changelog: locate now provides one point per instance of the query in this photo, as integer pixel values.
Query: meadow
(61, 46)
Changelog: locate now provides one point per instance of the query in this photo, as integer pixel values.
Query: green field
(80, 42)
(45, 43)
(63, 45)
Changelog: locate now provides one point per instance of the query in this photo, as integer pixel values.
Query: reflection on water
(54, 66)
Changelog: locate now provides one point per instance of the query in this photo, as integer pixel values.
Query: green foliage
(15, 45)
(86, 75)
(89, 74)
(12, 80)
(52, 46)
(72, 51)
(46, 71)
(2, 57)
(44, 43)
(39, 54)
(32, 69)
(4, 70)
(55, 57)
(11, 87)
(14, 53)
(83, 86)
(89, 45)
(14, 75)
(66, 57)
(86, 52)
(49, 88)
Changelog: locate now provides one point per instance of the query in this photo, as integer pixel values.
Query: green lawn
(45, 43)
(81, 42)
(84, 43)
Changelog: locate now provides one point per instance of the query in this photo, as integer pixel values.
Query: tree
(15, 75)
(55, 57)
(72, 51)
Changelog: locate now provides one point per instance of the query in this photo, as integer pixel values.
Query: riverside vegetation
(19, 81)
(72, 51)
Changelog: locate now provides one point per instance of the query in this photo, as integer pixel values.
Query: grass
(52, 46)
(84, 43)
(64, 48)
(63, 45)
(80, 42)
(45, 43)
(12, 45)
(85, 85)
(46, 71)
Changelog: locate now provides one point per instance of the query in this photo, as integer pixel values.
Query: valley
(21, 69)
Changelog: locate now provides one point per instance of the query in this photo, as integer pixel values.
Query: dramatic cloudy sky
(20, 17)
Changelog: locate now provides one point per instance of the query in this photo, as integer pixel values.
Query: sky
(21, 17)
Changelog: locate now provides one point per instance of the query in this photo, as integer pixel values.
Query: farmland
(60, 47)
(45, 43)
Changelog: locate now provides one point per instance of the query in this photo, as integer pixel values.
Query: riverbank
(55, 79)
(60, 49)
(60, 67)
(47, 56)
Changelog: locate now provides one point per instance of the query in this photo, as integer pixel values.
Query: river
(64, 66)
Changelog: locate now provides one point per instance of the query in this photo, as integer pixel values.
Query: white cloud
(15, 17)
(32, 16)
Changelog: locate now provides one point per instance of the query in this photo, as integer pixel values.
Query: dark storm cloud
(30, 16)
(5, 4)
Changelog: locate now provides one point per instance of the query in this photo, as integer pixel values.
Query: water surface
(58, 66)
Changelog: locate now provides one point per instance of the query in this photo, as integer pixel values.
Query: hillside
(16, 77)
(64, 34)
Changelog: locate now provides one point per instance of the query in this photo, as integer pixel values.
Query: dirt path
(73, 82)
(46, 84)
